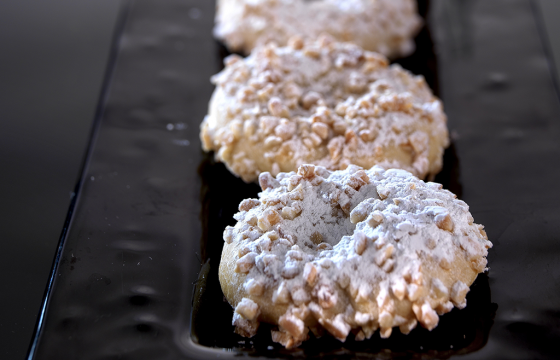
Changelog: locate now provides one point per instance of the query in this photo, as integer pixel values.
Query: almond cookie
(384, 26)
(349, 251)
(325, 103)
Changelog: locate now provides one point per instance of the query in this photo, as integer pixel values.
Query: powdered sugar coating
(385, 26)
(326, 103)
(353, 249)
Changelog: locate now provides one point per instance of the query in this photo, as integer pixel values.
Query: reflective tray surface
(137, 273)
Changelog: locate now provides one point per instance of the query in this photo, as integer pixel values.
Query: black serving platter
(136, 272)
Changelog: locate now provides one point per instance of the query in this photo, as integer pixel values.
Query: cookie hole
(321, 220)
(139, 300)
(144, 328)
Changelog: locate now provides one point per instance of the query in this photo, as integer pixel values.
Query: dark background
(53, 56)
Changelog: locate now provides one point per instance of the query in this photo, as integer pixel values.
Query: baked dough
(350, 250)
(325, 103)
(384, 26)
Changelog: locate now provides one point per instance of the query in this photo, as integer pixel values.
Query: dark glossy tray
(136, 276)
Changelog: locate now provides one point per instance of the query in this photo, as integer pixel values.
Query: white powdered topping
(385, 26)
(326, 103)
(318, 221)
(321, 237)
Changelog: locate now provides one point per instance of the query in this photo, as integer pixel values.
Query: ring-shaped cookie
(384, 26)
(325, 103)
(353, 250)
